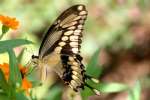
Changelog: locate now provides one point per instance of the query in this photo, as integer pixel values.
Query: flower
(26, 85)
(9, 22)
(5, 70)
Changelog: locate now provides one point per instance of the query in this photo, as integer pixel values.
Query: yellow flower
(26, 85)
(9, 22)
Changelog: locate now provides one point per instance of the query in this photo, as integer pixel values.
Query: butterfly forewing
(64, 36)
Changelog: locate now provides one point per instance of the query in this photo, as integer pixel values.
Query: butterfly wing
(74, 73)
(64, 36)
(60, 48)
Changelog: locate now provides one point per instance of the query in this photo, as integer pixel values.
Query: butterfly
(60, 49)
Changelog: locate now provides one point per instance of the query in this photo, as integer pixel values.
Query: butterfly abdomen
(74, 72)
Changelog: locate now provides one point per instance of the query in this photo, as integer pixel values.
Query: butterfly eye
(35, 60)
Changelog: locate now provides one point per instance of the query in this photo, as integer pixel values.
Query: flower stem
(1, 36)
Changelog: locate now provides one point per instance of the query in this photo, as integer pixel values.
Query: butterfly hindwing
(64, 36)
(74, 71)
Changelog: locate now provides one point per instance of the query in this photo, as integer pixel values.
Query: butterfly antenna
(90, 87)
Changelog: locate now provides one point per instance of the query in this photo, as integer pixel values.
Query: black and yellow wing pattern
(64, 36)
(64, 39)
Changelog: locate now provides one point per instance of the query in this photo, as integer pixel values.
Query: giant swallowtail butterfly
(60, 48)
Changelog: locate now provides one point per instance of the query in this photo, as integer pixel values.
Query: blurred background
(119, 28)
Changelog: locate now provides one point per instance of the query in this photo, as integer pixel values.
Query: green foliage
(112, 87)
(92, 68)
(4, 31)
(10, 44)
(55, 93)
(21, 96)
(134, 93)
(8, 91)
(9, 88)
(14, 76)
(3, 83)
(104, 88)
(94, 71)
(7, 46)
(86, 93)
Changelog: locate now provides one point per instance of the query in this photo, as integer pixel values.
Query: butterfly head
(34, 60)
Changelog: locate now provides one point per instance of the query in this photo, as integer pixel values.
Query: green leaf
(9, 90)
(15, 75)
(54, 93)
(12, 92)
(86, 93)
(103, 88)
(134, 94)
(3, 97)
(4, 29)
(111, 87)
(3, 82)
(10, 44)
(92, 68)
(21, 96)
